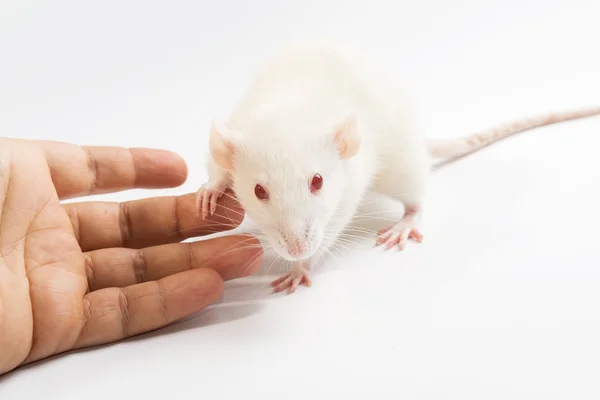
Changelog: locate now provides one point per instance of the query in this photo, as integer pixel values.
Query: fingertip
(234, 256)
(177, 163)
(168, 169)
(209, 278)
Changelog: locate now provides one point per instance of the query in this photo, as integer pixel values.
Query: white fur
(286, 124)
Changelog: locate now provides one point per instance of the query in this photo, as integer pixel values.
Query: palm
(82, 274)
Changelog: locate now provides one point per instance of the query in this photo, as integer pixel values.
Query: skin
(90, 273)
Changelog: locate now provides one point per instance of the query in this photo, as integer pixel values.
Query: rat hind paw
(298, 275)
(207, 197)
(399, 234)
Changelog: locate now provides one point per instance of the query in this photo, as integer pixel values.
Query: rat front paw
(298, 275)
(399, 234)
(207, 197)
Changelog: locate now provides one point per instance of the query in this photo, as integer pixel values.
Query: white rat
(319, 127)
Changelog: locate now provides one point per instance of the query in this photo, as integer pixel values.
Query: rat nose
(297, 247)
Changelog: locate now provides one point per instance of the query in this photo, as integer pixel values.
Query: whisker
(202, 231)
(252, 263)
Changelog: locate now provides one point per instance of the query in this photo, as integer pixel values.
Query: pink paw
(207, 197)
(398, 235)
(292, 280)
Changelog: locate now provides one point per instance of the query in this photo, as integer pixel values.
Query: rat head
(289, 182)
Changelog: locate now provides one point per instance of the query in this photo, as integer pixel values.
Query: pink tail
(456, 148)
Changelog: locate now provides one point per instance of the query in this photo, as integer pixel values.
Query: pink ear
(222, 148)
(346, 137)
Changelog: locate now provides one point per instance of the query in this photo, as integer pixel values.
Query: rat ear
(346, 139)
(222, 145)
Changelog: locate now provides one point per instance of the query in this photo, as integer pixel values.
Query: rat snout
(297, 240)
(297, 247)
(297, 243)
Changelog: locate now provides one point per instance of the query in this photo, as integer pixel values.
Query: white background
(500, 301)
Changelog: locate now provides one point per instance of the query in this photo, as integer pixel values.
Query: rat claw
(383, 236)
(398, 235)
(279, 280)
(285, 282)
(207, 198)
(298, 280)
(213, 202)
(199, 196)
(415, 235)
(292, 280)
(394, 240)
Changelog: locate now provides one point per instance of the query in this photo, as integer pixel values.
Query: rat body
(318, 128)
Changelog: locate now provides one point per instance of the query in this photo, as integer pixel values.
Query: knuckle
(124, 223)
(92, 166)
(123, 305)
(89, 270)
(140, 267)
(160, 295)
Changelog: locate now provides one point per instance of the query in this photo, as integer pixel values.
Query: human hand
(83, 274)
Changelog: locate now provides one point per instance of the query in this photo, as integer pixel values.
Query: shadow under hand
(209, 316)
(212, 315)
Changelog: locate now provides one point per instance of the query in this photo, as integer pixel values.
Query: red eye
(316, 183)
(260, 192)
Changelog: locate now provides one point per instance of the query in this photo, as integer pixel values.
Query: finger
(383, 236)
(148, 222)
(231, 256)
(416, 236)
(393, 240)
(284, 284)
(113, 314)
(295, 283)
(80, 171)
(402, 240)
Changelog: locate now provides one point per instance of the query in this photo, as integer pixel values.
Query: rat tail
(453, 149)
